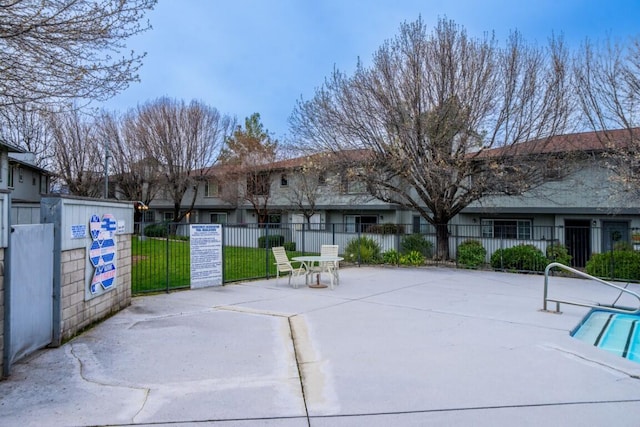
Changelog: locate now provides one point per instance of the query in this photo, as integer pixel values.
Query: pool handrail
(586, 276)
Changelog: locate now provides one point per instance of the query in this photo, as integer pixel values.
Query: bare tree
(185, 140)
(56, 50)
(24, 126)
(78, 154)
(250, 153)
(426, 110)
(136, 175)
(607, 85)
(311, 184)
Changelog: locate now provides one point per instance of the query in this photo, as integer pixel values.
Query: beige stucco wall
(77, 314)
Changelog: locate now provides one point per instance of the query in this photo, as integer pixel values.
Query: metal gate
(31, 289)
(578, 241)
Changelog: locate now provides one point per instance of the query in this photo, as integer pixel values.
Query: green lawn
(151, 272)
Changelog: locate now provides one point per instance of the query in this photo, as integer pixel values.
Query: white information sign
(78, 231)
(206, 255)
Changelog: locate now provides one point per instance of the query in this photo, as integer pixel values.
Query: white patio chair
(283, 265)
(330, 267)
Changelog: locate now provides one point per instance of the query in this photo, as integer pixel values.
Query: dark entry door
(577, 239)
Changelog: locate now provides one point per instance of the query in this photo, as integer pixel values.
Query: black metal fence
(161, 252)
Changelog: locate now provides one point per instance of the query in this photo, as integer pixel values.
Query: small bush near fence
(270, 241)
(394, 257)
(418, 243)
(362, 249)
(391, 257)
(558, 253)
(519, 258)
(471, 254)
(624, 265)
(412, 258)
(156, 230)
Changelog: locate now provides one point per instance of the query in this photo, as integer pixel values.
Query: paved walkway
(402, 347)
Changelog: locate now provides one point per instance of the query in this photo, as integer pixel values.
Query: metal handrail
(586, 276)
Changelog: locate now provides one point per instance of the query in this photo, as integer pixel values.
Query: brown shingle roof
(584, 141)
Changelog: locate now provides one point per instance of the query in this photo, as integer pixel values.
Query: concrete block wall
(77, 314)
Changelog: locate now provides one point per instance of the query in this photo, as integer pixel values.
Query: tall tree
(607, 85)
(78, 154)
(428, 107)
(250, 153)
(136, 175)
(185, 139)
(305, 188)
(25, 126)
(55, 50)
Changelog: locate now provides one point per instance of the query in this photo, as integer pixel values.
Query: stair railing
(586, 276)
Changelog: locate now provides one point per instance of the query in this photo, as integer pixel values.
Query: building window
(211, 189)
(218, 217)
(258, 184)
(147, 216)
(507, 228)
(553, 169)
(419, 225)
(322, 178)
(44, 187)
(12, 169)
(167, 216)
(352, 186)
(20, 174)
(359, 223)
(283, 180)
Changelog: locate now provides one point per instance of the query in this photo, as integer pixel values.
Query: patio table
(310, 262)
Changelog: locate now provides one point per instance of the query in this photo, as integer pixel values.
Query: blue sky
(246, 56)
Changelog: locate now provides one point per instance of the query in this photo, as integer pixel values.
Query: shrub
(519, 258)
(386, 229)
(391, 257)
(290, 246)
(623, 246)
(558, 253)
(623, 265)
(416, 242)
(362, 249)
(412, 258)
(157, 230)
(471, 254)
(270, 241)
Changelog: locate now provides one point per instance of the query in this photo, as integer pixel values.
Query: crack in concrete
(596, 362)
(298, 363)
(80, 351)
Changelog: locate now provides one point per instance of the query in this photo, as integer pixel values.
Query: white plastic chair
(330, 267)
(283, 265)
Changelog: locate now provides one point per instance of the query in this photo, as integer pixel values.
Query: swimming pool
(615, 332)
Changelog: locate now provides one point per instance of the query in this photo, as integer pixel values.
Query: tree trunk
(442, 241)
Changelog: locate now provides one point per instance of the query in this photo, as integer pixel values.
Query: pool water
(615, 332)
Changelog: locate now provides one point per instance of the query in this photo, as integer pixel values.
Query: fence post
(333, 234)
(457, 242)
(267, 247)
(167, 254)
(224, 245)
(398, 247)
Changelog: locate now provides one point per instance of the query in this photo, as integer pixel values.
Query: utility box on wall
(92, 260)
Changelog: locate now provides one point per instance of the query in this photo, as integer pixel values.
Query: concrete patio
(389, 346)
